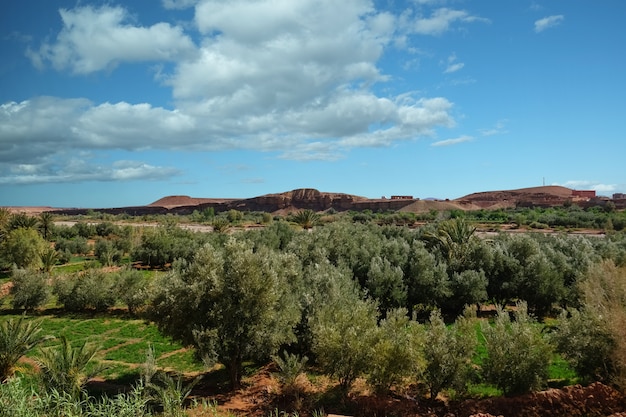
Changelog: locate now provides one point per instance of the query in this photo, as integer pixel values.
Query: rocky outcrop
(302, 198)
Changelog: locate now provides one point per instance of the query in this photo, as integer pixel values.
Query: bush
(448, 353)
(30, 289)
(290, 366)
(91, 289)
(106, 252)
(604, 293)
(397, 352)
(133, 289)
(518, 357)
(586, 342)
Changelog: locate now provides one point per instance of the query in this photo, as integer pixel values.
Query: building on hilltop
(584, 193)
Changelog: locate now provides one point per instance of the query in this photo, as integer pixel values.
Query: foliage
(163, 245)
(49, 258)
(448, 353)
(233, 304)
(91, 289)
(133, 288)
(46, 224)
(586, 342)
(344, 332)
(604, 294)
(106, 252)
(17, 337)
(306, 219)
(398, 351)
(30, 289)
(23, 247)
(64, 367)
(290, 366)
(518, 356)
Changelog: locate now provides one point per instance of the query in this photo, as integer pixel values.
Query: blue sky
(119, 103)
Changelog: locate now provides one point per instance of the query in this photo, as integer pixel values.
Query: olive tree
(23, 248)
(232, 304)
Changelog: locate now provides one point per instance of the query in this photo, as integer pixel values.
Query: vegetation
(17, 337)
(353, 297)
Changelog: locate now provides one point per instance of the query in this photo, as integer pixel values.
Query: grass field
(122, 344)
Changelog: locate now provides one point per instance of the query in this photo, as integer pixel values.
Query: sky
(119, 103)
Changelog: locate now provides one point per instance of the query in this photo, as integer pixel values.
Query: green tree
(518, 356)
(22, 221)
(344, 333)
(30, 289)
(586, 342)
(306, 219)
(451, 238)
(133, 288)
(91, 289)
(448, 352)
(23, 248)
(49, 258)
(234, 304)
(46, 224)
(17, 337)
(398, 352)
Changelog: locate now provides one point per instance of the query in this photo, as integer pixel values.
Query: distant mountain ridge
(310, 198)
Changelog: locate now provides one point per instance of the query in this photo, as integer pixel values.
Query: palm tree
(306, 218)
(17, 337)
(22, 220)
(46, 224)
(64, 367)
(49, 258)
(451, 237)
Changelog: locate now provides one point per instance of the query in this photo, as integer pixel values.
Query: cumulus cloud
(294, 78)
(94, 39)
(548, 22)
(455, 141)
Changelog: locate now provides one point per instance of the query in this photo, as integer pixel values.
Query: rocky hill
(535, 196)
(309, 198)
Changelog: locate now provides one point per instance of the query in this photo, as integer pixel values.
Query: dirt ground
(261, 395)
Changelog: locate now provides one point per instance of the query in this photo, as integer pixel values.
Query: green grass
(122, 343)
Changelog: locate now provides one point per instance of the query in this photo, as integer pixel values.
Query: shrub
(133, 289)
(586, 342)
(448, 353)
(106, 252)
(63, 368)
(604, 293)
(91, 289)
(30, 289)
(290, 366)
(17, 337)
(398, 352)
(518, 357)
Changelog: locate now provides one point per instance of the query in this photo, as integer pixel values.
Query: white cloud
(441, 20)
(178, 4)
(64, 168)
(452, 65)
(455, 141)
(94, 39)
(292, 78)
(590, 185)
(548, 22)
